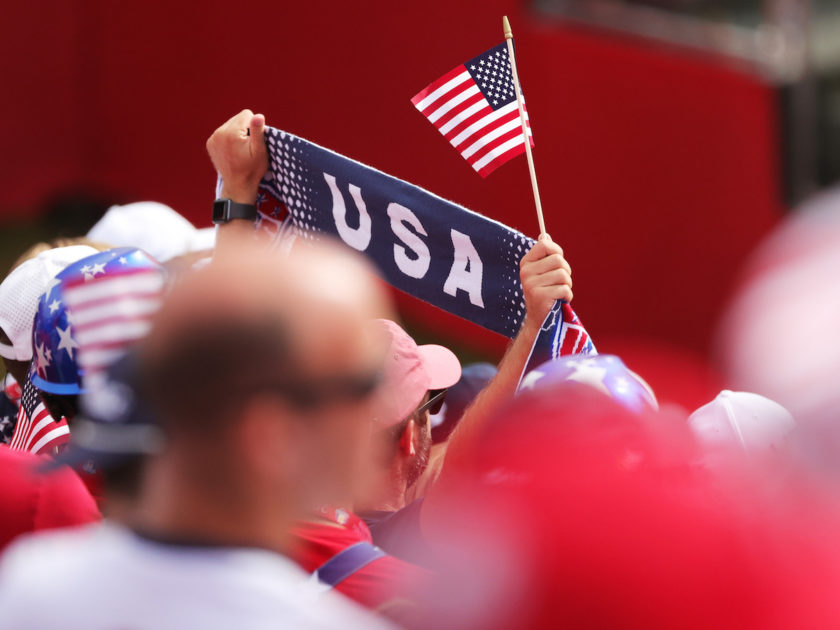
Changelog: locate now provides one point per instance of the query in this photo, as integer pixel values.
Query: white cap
(21, 290)
(741, 421)
(153, 227)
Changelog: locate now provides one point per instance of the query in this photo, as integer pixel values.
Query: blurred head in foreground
(780, 336)
(580, 513)
(260, 370)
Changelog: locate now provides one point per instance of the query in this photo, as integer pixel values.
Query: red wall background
(658, 169)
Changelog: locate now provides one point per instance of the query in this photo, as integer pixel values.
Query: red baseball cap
(410, 371)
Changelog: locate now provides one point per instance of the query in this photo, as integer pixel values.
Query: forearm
(498, 391)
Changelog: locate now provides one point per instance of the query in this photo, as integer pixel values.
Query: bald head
(259, 318)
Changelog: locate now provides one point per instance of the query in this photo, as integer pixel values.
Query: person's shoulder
(43, 567)
(333, 610)
(55, 549)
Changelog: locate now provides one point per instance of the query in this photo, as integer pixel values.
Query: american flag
(36, 431)
(113, 310)
(474, 106)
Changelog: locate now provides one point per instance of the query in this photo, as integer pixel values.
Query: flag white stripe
(22, 421)
(483, 122)
(118, 285)
(123, 307)
(498, 151)
(49, 437)
(443, 89)
(118, 331)
(487, 138)
(453, 102)
(462, 116)
(43, 422)
(100, 357)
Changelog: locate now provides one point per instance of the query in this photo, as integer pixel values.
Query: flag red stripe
(436, 84)
(510, 135)
(447, 97)
(494, 164)
(453, 133)
(483, 131)
(79, 307)
(124, 274)
(113, 319)
(472, 100)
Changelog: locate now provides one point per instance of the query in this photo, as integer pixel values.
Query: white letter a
(467, 269)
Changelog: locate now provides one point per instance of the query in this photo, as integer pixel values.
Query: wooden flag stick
(521, 103)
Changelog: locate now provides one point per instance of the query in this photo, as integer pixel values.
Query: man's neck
(390, 496)
(174, 507)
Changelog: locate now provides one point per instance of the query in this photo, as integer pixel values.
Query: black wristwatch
(225, 210)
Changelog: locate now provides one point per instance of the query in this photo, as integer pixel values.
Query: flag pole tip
(506, 25)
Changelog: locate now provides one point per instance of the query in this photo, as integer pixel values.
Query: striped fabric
(36, 430)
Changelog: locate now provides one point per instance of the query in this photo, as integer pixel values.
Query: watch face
(220, 207)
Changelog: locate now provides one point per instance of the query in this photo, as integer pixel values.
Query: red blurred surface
(658, 169)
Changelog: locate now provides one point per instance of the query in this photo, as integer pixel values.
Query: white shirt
(105, 577)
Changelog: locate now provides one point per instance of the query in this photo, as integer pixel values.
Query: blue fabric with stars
(54, 347)
(492, 74)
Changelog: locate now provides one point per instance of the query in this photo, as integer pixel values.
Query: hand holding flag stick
(521, 104)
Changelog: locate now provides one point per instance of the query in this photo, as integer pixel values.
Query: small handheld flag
(479, 108)
(475, 107)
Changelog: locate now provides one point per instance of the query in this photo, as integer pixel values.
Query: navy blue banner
(429, 247)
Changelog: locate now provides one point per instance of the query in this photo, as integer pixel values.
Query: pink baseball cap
(410, 371)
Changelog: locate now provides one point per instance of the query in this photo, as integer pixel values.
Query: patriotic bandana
(431, 248)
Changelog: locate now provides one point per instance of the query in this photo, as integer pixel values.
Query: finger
(545, 236)
(257, 126)
(553, 261)
(555, 277)
(256, 131)
(556, 292)
(538, 251)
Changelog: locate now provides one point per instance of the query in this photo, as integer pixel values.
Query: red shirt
(32, 501)
(384, 584)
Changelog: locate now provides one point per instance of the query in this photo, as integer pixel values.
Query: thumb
(257, 127)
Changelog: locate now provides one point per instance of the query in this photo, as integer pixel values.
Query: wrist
(240, 194)
(530, 326)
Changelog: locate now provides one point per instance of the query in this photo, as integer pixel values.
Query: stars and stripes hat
(604, 373)
(89, 313)
(20, 291)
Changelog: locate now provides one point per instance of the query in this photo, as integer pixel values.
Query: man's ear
(407, 439)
